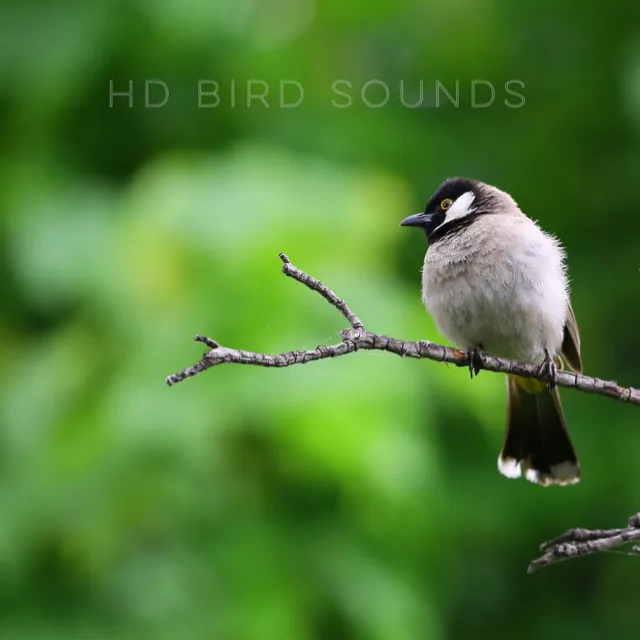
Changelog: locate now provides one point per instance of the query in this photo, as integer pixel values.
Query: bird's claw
(548, 371)
(475, 359)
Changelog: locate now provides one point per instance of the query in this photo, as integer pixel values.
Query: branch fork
(576, 543)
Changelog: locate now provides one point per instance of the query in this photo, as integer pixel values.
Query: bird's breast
(511, 299)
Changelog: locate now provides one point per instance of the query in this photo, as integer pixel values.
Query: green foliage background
(348, 499)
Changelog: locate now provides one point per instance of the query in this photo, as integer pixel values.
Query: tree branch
(572, 544)
(357, 337)
(576, 543)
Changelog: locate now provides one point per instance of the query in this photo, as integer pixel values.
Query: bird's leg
(475, 359)
(548, 370)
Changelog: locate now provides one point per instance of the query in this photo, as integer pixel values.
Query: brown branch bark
(357, 337)
(576, 543)
(572, 544)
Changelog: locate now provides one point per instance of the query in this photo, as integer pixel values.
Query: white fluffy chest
(499, 284)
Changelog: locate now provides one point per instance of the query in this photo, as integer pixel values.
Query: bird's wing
(571, 342)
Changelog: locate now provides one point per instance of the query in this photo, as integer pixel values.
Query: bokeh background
(348, 499)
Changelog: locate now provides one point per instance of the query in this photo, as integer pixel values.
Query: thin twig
(297, 274)
(576, 543)
(357, 337)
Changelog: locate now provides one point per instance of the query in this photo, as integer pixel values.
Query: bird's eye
(446, 204)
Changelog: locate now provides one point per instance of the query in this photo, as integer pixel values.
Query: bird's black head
(456, 203)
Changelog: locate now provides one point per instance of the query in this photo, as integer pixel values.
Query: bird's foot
(548, 371)
(475, 359)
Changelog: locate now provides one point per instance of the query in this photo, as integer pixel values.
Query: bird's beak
(417, 220)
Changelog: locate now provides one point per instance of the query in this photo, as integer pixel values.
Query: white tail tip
(509, 467)
(564, 473)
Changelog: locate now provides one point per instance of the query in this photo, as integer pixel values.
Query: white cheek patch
(460, 208)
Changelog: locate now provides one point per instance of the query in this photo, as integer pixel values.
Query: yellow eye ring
(446, 204)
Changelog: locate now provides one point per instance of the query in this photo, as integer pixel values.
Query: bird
(496, 283)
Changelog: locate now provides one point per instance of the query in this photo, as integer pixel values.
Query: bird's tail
(537, 438)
